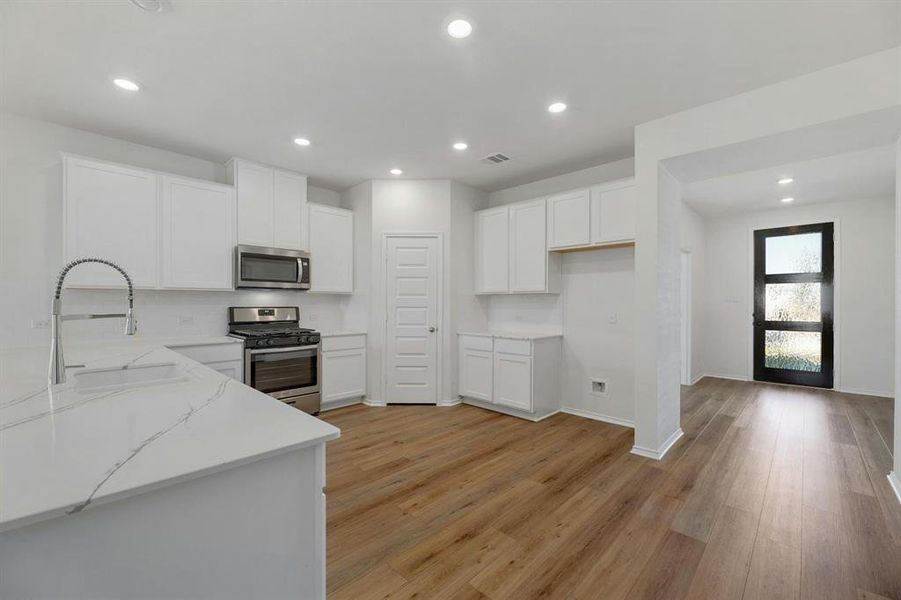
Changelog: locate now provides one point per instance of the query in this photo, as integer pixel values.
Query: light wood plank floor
(774, 492)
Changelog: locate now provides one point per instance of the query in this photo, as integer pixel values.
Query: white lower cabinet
(343, 368)
(517, 376)
(513, 381)
(476, 370)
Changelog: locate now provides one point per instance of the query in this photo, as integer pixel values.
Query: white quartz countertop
(341, 333)
(65, 449)
(513, 335)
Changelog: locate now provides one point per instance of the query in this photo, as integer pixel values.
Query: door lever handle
(433, 329)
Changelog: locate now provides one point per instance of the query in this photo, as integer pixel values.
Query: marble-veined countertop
(64, 449)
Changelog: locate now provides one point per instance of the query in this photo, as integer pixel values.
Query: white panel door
(413, 271)
(492, 251)
(111, 212)
(254, 184)
(528, 247)
(331, 249)
(568, 219)
(513, 381)
(198, 225)
(475, 374)
(612, 215)
(289, 228)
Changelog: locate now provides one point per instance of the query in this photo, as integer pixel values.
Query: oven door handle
(280, 350)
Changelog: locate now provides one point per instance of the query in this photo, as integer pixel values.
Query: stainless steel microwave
(271, 268)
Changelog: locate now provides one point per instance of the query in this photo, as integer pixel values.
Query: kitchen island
(149, 475)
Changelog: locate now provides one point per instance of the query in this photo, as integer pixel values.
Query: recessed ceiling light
(787, 200)
(396, 172)
(785, 180)
(302, 141)
(461, 146)
(556, 107)
(459, 28)
(126, 84)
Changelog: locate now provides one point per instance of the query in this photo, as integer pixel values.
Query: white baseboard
(862, 392)
(327, 406)
(698, 378)
(375, 403)
(588, 414)
(660, 452)
(456, 402)
(730, 377)
(894, 480)
(534, 417)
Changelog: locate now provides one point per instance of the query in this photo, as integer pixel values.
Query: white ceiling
(379, 84)
(866, 174)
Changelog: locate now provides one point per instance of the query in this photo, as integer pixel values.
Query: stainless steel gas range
(280, 357)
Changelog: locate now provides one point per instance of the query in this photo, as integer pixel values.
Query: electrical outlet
(40, 323)
(613, 319)
(312, 317)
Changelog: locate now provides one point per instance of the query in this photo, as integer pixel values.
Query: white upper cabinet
(198, 234)
(612, 215)
(111, 211)
(331, 249)
(528, 250)
(271, 205)
(492, 250)
(511, 250)
(289, 229)
(568, 224)
(166, 231)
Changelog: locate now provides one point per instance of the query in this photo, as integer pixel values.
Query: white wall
(468, 311)
(860, 87)
(31, 244)
(693, 236)
(594, 310)
(414, 206)
(323, 196)
(864, 290)
(896, 473)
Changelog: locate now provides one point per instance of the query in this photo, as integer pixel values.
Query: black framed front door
(793, 304)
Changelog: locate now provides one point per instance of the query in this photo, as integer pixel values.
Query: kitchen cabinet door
(289, 228)
(528, 247)
(475, 374)
(568, 219)
(513, 381)
(110, 211)
(331, 249)
(343, 374)
(612, 215)
(254, 185)
(492, 250)
(198, 234)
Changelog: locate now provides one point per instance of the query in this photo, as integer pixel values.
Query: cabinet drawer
(343, 342)
(475, 342)
(520, 347)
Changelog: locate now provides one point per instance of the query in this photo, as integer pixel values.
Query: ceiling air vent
(495, 158)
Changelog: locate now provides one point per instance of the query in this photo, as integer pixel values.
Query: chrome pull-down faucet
(57, 363)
